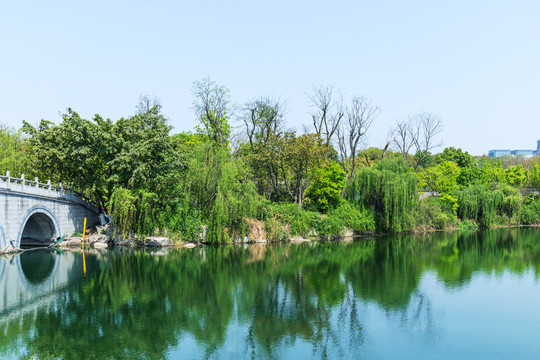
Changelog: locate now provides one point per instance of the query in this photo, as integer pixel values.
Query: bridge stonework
(34, 213)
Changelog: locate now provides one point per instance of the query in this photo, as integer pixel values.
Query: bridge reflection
(31, 280)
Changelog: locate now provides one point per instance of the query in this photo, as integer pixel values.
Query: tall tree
(302, 155)
(359, 116)
(212, 106)
(263, 118)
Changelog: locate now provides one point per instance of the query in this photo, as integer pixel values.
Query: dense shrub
(299, 221)
(530, 213)
(354, 218)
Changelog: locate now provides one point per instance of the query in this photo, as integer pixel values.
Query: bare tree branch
(146, 102)
(328, 111)
(419, 132)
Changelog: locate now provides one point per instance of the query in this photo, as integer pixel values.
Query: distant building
(499, 153)
(523, 153)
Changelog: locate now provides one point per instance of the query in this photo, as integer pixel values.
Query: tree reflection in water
(260, 302)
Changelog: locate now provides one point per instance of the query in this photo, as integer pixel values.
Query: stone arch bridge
(36, 214)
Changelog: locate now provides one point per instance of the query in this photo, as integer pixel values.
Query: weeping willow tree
(483, 204)
(389, 188)
(136, 212)
(219, 191)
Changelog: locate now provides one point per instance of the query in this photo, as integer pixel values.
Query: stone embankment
(100, 237)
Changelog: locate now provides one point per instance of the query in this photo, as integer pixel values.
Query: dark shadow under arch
(39, 230)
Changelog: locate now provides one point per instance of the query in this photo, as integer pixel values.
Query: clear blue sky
(475, 63)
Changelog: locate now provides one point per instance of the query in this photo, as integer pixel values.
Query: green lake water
(443, 296)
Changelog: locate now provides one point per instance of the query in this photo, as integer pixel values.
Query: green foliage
(299, 221)
(372, 155)
(535, 176)
(483, 204)
(219, 191)
(142, 151)
(449, 203)
(98, 156)
(354, 218)
(428, 178)
(328, 226)
(74, 152)
(433, 213)
(511, 203)
(389, 188)
(516, 176)
(491, 173)
(467, 225)
(468, 176)
(325, 190)
(302, 155)
(462, 159)
(478, 203)
(211, 105)
(285, 220)
(126, 217)
(16, 155)
(447, 181)
(442, 220)
(530, 212)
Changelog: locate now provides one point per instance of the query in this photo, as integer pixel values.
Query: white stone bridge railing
(34, 187)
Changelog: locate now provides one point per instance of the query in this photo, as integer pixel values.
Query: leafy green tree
(516, 176)
(98, 155)
(468, 176)
(75, 152)
(462, 159)
(492, 173)
(302, 155)
(141, 146)
(447, 181)
(325, 190)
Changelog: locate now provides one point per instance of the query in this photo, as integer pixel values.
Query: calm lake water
(443, 296)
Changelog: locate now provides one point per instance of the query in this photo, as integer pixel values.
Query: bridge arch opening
(39, 229)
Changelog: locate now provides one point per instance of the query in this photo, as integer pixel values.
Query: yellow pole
(83, 258)
(84, 231)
